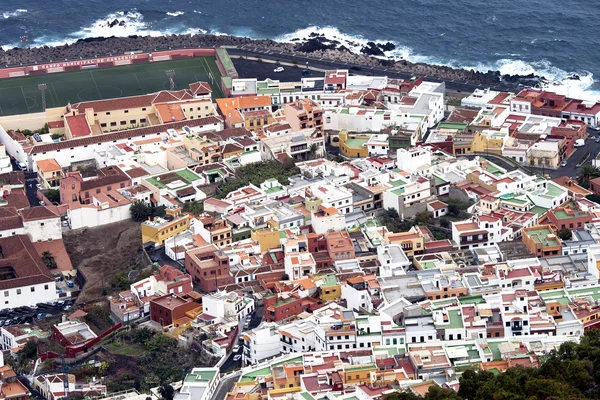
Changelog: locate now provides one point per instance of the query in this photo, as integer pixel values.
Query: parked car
(278, 69)
(236, 348)
(67, 308)
(41, 315)
(7, 322)
(70, 284)
(1, 322)
(563, 164)
(42, 203)
(247, 325)
(154, 259)
(34, 307)
(579, 142)
(60, 303)
(237, 358)
(597, 139)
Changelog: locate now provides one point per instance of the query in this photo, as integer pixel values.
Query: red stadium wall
(107, 62)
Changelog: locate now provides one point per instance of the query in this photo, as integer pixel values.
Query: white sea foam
(16, 13)
(175, 13)
(557, 79)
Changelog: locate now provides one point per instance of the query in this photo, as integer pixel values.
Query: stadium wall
(107, 62)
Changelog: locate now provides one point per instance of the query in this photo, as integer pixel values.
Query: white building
(42, 223)
(5, 165)
(199, 384)
(103, 210)
(378, 145)
(224, 305)
(299, 265)
(27, 281)
(334, 196)
(479, 98)
(414, 159)
(392, 260)
(261, 343)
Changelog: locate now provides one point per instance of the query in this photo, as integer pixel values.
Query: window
(108, 113)
(18, 291)
(6, 293)
(113, 124)
(126, 111)
(45, 287)
(33, 289)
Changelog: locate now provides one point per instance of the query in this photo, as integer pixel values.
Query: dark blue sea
(553, 38)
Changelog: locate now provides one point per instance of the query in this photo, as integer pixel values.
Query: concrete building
(199, 384)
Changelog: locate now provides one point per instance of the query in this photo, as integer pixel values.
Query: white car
(237, 358)
(235, 349)
(278, 69)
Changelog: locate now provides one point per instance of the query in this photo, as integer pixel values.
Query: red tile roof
(120, 135)
(123, 103)
(9, 218)
(22, 260)
(78, 125)
(40, 212)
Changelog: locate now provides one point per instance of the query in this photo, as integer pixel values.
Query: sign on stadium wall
(92, 61)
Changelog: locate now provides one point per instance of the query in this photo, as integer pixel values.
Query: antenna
(171, 74)
(42, 87)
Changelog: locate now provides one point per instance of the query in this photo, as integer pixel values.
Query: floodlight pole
(42, 87)
(171, 74)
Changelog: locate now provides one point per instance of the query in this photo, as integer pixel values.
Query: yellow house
(359, 374)
(256, 120)
(463, 143)
(161, 229)
(330, 287)
(266, 238)
(488, 142)
(353, 146)
(412, 242)
(49, 173)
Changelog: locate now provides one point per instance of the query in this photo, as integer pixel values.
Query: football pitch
(22, 95)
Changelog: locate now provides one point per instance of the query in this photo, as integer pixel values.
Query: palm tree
(586, 174)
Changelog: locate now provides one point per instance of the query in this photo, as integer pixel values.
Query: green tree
(586, 174)
(140, 211)
(453, 210)
(29, 350)
(159, 211)
(593, 197)
(564, 234)
(166, 392)
(422, 218)
(48, 260)
(53, 195)
(194, 207)
(444, 223)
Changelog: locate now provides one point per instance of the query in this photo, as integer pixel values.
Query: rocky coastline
(371, 55)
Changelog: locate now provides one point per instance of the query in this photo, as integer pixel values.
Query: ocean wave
(175, 13)
(16, 13)
(197, 12)
(121, 24)
(556, 79)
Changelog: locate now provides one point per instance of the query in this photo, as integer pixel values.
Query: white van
(579, 142)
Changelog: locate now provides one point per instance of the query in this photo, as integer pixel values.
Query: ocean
(552, 38)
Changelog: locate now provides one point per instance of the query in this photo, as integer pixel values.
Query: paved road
(328, 65)
(225, 386)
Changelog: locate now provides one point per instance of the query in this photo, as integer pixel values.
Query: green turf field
(21, 95)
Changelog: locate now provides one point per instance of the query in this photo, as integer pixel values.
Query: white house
(199, 384)
(42, 223)
(299, 265)
(392, 260)
(261, 343)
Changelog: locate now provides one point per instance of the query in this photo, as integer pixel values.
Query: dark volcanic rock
(371, 49)
(389, 46)
(314, 44)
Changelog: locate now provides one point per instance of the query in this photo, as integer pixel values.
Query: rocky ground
(101, 253)
(372, 54)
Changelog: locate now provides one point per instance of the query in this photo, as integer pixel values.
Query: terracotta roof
(78, 125)
(200, 88)
(136, 172)
(437, 205)
(232, 148)
(243, 102)
(12, 178)
(9, 218)
(40, 212)
(226, 134)
(123, 103)
(21, 259)
(121, 135)
(17, 199)
(48, 165)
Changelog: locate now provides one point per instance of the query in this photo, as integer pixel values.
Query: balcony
(517, 327)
